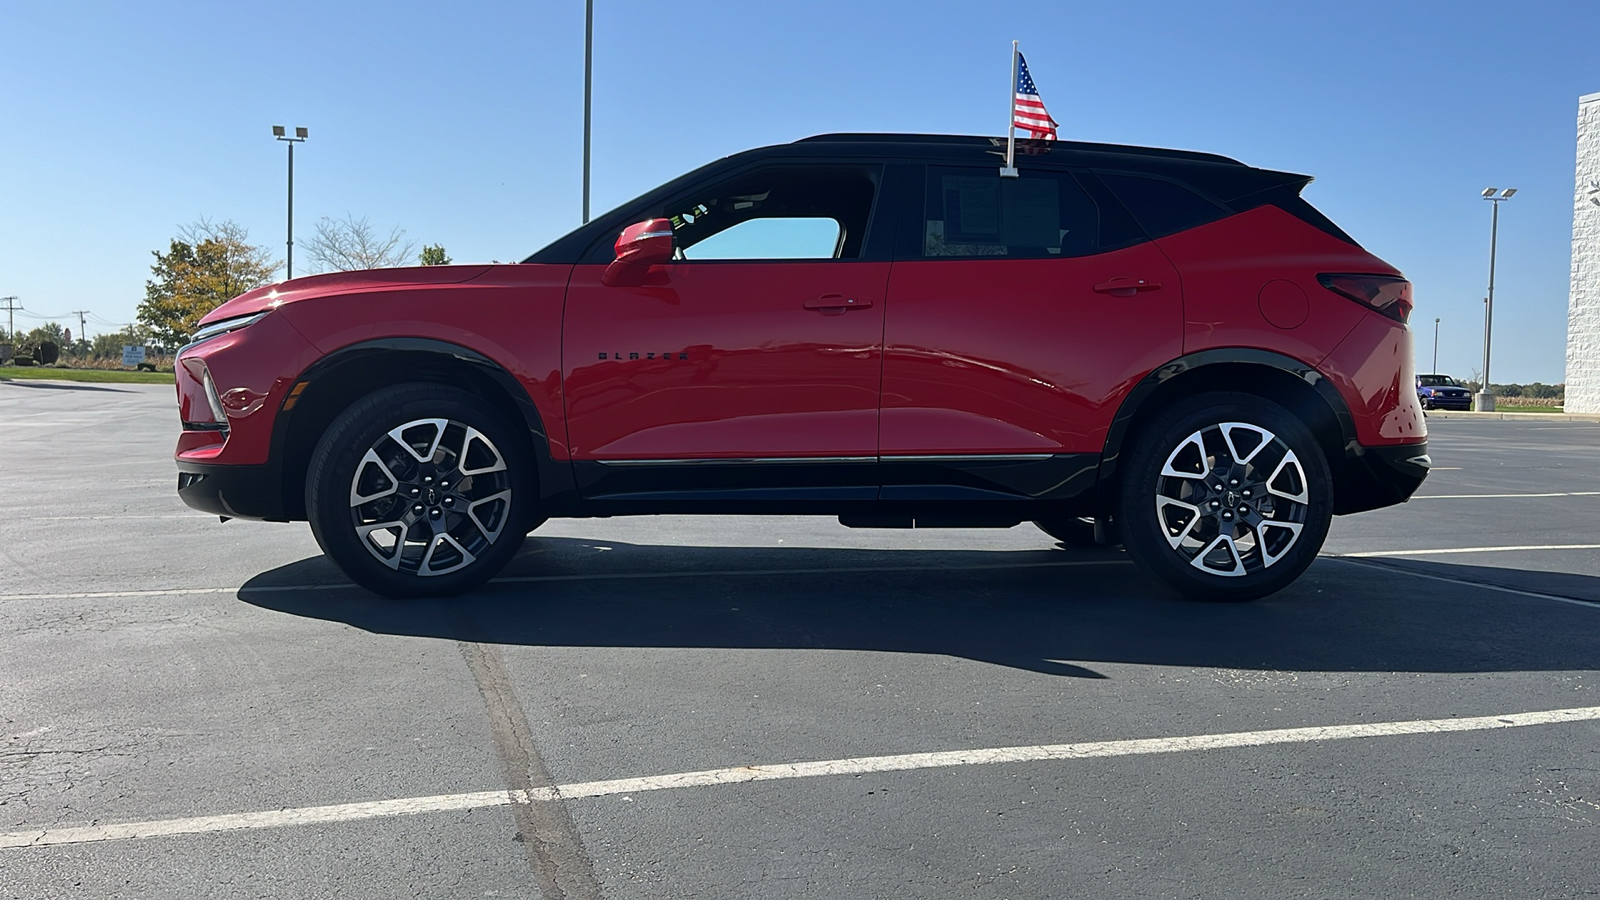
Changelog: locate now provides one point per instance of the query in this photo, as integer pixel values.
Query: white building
(1583, 305)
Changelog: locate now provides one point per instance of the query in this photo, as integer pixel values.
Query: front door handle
(1123, 286)
(837, 304)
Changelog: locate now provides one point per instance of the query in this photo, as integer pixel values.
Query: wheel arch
(1295, 385)
(335, 381)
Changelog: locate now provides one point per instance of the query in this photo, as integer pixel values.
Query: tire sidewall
(346, 441)
(1142, 531)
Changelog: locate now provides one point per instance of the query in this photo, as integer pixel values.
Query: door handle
(835, 304)
(1123, 286)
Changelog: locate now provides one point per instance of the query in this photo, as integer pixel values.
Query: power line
(82, 329)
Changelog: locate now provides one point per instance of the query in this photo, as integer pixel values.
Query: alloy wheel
(430, 496)
(1232, 499)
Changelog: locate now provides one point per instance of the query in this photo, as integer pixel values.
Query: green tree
(434, 255)
(205, 266)
(49, 332)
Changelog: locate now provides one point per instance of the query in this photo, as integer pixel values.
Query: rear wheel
(418, 490)
(1226, 497)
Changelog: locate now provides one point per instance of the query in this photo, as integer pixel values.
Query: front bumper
(1460, 403)
(237, 492)
(1375, 477)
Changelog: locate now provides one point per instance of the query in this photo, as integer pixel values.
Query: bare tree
(344, 245)
(237, 251)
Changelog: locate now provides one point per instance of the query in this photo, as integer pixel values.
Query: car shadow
(1049, 611)
(59, 385)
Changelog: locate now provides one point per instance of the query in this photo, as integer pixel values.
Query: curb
(1513, 416)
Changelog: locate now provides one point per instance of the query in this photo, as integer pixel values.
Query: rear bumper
(1375, 477)
(238, 492)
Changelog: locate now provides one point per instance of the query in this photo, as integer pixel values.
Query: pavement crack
(561, 866)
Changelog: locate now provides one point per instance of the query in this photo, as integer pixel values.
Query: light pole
(300, 134)
(1484, 402)
(1435, 369)
(588, 82)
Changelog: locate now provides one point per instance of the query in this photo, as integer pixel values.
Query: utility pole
(80, 313)
(11, 316)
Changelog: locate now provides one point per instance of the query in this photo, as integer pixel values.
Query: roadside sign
(131, 355)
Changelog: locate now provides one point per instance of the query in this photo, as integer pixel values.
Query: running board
(930, 521)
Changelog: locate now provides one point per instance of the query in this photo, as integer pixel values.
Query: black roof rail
(979, 140)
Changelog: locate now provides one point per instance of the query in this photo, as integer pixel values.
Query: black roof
(1029, 147)
(1223, 178)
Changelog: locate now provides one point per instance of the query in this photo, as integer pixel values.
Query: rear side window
(975, 212)
(1162, 207)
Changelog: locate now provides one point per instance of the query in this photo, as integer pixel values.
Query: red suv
(1168, 350)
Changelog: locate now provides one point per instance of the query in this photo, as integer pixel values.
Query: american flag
(1027, 110)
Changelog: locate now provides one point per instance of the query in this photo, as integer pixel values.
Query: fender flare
(554, 478)
(1141, 392)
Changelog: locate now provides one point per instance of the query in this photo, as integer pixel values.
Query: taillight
(1388, 294)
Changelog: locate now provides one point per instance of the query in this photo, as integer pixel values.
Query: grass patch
(40, 373)
(1533, 409)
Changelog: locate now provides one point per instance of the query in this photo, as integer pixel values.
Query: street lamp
(1435, 369)
(300, 134)
(1484, 402)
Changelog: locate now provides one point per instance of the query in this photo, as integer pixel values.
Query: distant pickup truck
(1443, 392)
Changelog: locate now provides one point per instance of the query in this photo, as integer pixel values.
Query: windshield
(1436, 381)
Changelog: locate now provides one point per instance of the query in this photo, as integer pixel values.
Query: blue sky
(462, 123)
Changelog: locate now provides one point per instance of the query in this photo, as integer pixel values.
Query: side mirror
(640, 246)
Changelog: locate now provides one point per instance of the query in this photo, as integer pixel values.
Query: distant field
(39, 373)
(1503, 407)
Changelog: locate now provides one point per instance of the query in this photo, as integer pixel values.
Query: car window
(975, 212)
(777, 238)
(1162, 207)
(786, 212)
(1435, 381)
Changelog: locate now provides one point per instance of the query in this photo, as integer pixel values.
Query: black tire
(1246, 528)
(1074, 532)
(455, 492)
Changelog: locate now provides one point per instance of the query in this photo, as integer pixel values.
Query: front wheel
(1226, 497)
(419, 489)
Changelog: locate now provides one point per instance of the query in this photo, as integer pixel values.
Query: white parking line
(1371, 554)
(1502, 496)
(346, 812)
(1574, 601)
(596, 576)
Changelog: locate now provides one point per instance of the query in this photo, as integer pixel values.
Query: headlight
(208, 332)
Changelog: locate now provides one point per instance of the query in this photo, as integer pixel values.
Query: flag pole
(1010, 170)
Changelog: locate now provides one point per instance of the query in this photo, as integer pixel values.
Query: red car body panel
(1228, 265)
(726, 360)
(1021, 356)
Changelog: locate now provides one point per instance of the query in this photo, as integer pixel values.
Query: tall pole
(1435, 369)
(80, 313)
(1484, 401)
(1010, 171)
(282, 134)
(11, 316)
(1488, 310)
(588, 90)
(288, 257)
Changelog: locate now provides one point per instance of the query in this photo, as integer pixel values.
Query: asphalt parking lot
(775, 707)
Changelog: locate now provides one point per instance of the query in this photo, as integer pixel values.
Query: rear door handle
(836, 304)
(1123, 286)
